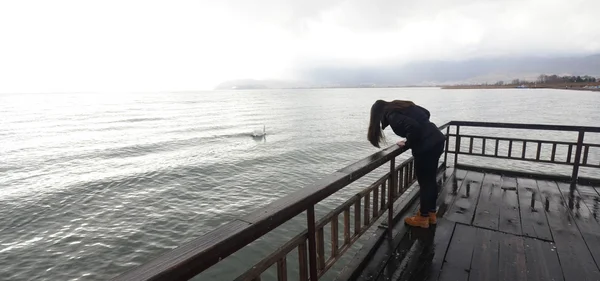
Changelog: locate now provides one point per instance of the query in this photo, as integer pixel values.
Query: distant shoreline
(594, 87)
(445, 87)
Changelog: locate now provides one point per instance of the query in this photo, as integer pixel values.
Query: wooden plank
(303, 262)
(533, 217)
(320, 249)
(485, 256)
(461, 246)
(334, 236)
(452, 193)
(591, 199)
(357, 225)
(367, 208)
(585, 222)
(483, 146)
(453, 273)
(511, 261)
(465, 204)
(497, 146)
(376, 206)
(510, 219)
(576, 261)
(383, 196)
(443, 234)
(487, 214)
(347, 226)
(282, 270)
(542, 261)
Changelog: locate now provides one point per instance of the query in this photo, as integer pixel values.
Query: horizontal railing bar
(514, 158)
(444, 126)
(516, 139)
(526, 126)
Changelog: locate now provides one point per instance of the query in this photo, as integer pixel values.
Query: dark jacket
(413, 124)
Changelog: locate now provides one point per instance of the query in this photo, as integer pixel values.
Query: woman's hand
(401, 143)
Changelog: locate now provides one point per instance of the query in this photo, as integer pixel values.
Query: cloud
(187, 45)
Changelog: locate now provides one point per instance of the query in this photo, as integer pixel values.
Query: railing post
(576, 162)
(447, 144)
(312, 245)
(391, 195)
(457, 142)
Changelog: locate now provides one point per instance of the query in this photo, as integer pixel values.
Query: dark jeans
(426, 164)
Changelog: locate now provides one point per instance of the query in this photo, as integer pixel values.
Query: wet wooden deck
(494, 227)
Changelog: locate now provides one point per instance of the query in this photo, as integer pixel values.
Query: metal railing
(368, 206)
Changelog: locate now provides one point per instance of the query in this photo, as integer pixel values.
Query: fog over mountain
(426, 73)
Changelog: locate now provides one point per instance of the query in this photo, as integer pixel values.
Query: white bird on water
(259, 133)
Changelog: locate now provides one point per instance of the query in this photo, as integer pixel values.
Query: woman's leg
(426, 171)
(431, 178)
(426, 165)
(422, 173)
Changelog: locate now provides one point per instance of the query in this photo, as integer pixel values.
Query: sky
(145, 45)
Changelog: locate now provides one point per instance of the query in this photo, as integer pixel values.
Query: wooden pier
(494, 224)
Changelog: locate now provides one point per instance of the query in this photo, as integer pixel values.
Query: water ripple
(92, 186)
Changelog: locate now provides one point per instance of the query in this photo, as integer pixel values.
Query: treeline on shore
(543, 81)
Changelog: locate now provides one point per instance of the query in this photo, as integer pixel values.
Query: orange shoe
(432, 217)
(418, 221)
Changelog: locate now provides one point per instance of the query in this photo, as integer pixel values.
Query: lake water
(92, 185)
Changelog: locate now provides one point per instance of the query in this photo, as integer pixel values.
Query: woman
(411, 121)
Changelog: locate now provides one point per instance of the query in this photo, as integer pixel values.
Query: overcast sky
(55, 46)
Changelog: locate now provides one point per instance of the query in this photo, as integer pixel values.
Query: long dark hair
(378, 111)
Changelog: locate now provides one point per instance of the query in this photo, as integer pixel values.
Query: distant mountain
(241, 84)
(450, 72)
(429, 73)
